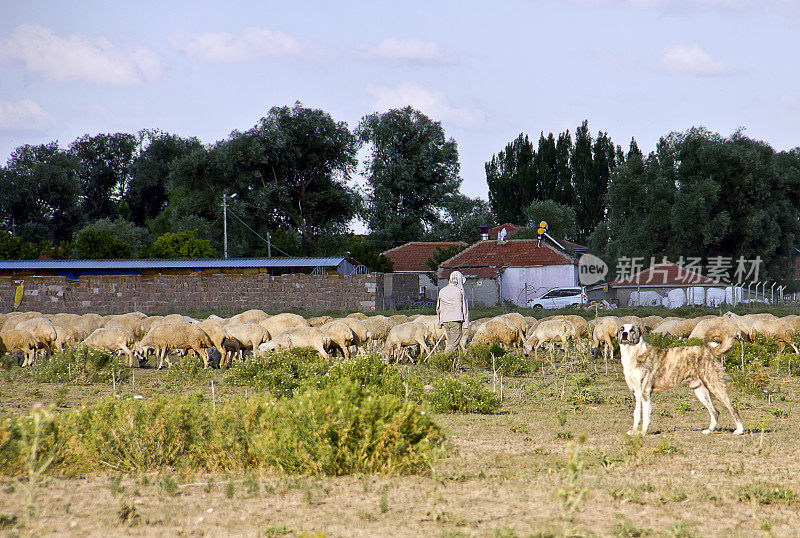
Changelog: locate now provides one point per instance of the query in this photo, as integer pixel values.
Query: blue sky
(486, 70)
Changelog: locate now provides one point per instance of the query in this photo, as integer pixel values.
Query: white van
(559, 298)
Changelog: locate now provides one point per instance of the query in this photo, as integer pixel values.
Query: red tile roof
(485, 259)
(510, 228)
(664, 274)
(414, 256)
(574, 246)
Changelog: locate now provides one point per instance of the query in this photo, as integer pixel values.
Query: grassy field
(553, 460)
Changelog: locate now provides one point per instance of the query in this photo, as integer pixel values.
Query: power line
(267, 241)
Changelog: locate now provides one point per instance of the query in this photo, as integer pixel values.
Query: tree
(512, 179)
(182, 245)
(703, 195)
(560, 220)
(363, 250)
(100, 243)
(463, 217)
(146, 191)
(39, 194)
(592, 164)
(104, 165)
(442, 255)
(411, 171)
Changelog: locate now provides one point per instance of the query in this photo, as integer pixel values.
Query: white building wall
(518, 284)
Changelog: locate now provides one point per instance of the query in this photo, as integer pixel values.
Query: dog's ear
(619, 334)
(634, 335)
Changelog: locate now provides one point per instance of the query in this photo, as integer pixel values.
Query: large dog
(650, 369)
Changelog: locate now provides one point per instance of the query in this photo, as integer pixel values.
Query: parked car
(559, 298)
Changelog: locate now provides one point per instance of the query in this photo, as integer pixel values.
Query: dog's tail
(726, 345)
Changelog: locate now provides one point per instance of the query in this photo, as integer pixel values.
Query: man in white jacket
(452, 311)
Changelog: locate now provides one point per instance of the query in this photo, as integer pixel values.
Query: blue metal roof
(204, 263)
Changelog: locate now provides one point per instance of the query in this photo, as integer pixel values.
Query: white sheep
(169, 336)
(341, 336)
(604, 332)
(299, 337)
(378, 326)
(114, 339)
(249, 316)
(406, 334)
(716, 329)
(18, 341)
(249, 336)
(43, 331)
(551, 330)
(280, 322)
(498, 330)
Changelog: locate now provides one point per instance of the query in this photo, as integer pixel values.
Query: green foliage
(337, 430)
(79, 366)
(363, 250)
(753, 379)
(571, 493)
(411, 171)
(443, 254)
(560, 220)
(106, 239)
(182, 245)
(452, 395)
(702, 194)
(480, 355)
(444, 361)
(14, 248)
(767, 493)
(463, 217)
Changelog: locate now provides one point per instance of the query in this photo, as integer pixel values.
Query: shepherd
(452, 311)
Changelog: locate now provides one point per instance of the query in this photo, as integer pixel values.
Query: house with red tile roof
(515, 270)
(508, 227)
(413, 258)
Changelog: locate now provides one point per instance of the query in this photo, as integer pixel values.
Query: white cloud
(76, 57)
(226, 47)
(413, 50)
(431, 102)
(692, 60)
(23, 115)
(789, 101)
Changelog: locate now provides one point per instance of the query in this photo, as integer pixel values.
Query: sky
(487, 71)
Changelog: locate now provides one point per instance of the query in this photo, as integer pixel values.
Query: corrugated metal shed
(77, 268)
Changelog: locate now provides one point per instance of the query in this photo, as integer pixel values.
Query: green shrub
(588, 395)
(336, 430)
(443, 360)
(514, 364)
(767, 493)
(450, 395)
(665, 340)
(81, 366)
(480, 355)
(754, 379)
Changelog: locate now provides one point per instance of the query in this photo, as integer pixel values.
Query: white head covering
(457, 279)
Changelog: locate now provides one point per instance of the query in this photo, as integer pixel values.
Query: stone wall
(222, 293)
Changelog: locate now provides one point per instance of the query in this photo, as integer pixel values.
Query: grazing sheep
(15, 318)
(580, 323)
(793, 320)
(249, 335)
(64, 338)
(18, 341)
(397, 319)
(278, 323)
(358, 315)
(651, 322)
(319, 321)
(63, 319)
(604, 332)
(250, 316)
(378, 326)
(518, 320)
(777, 329)
(551, 330)
(215, 329)
(498, 330)
(114, 339)
(406, 334)
(168, 336)
(299, 337)
(362, 334)
(668, 326)
(87, 324)
(341, 336)
(43, 331)
(716, 329)
(131, 322)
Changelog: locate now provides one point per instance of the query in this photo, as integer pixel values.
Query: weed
(465, 395)
(666, 447)
(480, 355)
(127, 514)
(169, 485)
(564, 435)
(209, 485)
(252, 484)
(383, 505)
(276, 530)
(753, 379)
(80, 366)
(679, 529)
(367, 516)
(61, 396)
(588, 395)
(33, 430)
(632, 447)
(115, 485)
(766, 493)
(8, 521)
(626, 529)
(230, 489)
(561, 417)
(444, 361)
(572, 493)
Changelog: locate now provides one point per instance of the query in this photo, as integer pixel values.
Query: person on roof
(452, 311)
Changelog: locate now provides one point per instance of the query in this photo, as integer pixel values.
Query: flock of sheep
(138, 335)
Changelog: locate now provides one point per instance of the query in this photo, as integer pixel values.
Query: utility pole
(269, 246)
(225, 223)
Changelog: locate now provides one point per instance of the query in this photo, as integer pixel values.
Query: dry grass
(501, 475)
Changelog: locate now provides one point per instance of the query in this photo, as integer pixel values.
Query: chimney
(484, 233)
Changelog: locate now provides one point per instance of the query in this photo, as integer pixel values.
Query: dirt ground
(501, 476)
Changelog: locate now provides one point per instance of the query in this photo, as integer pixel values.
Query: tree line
(290, 177)
(697, 195)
